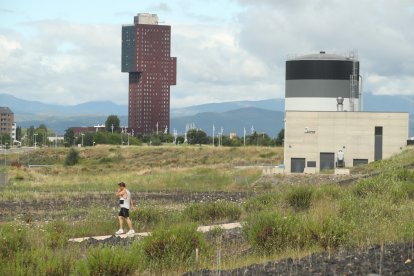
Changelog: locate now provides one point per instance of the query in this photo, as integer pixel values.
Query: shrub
(109, 261)
(213, 211)
(262, 202)
(72, 158)
(271, 232)
(300, 198)
(172, 247)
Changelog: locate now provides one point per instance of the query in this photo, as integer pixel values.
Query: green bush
(300, 198)
(271, 232)
(213, 212)
(109, 261)
(72, 158)
(262, 202)
(173, 246)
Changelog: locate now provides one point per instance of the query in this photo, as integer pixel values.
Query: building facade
(316, 140)
(6, 121)
(146, 57)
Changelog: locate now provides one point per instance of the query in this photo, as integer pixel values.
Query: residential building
(146, 58)
(6, 121)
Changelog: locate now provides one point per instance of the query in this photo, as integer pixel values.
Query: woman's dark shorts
(124, 212)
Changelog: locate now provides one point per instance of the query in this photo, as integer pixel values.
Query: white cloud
(212, 67)
(64, 63)
(380, 30)
(242, 58)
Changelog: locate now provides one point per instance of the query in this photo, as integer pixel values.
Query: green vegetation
(72, 158)
(174, 189)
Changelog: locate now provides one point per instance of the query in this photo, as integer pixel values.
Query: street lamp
(35, 140)
(5, 148)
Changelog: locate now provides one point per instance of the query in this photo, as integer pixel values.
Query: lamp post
(5, 148)
(35, 140)
(82, 134)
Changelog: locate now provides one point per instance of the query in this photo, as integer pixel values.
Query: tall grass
(294, 218)
(213, 212)
(174, 246)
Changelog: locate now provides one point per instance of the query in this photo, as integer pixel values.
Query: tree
(112, 120)
(30, 132)
(196, 136)
(18, 133)
(69, 137)
(280, 137)
(72, 158)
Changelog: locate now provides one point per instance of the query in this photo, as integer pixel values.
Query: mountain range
(264, 115)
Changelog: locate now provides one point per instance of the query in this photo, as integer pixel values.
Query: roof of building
(324, 56)
(5, 109)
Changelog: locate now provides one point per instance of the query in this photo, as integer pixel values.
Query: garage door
(327, 160)
(297, 165)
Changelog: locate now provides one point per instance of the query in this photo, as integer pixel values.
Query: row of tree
(114, 135)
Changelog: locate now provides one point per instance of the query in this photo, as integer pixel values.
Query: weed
(270, 232)
(213, 212)
(267, 201)
(109, 261)
(300, 198)
(173, 246)
(13, 238)
(329, 232)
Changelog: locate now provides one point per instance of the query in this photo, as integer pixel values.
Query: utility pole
(244, 136)
(214, 128)
(35, 140)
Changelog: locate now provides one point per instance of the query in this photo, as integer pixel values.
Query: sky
(69, 52)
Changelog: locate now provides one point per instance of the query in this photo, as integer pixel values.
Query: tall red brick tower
(146, 57)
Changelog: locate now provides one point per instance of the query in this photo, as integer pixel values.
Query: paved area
(202, 229)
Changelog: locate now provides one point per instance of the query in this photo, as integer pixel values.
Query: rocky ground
(390, 259)
(394, 259)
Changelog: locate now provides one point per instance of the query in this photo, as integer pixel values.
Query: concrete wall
(307, 134)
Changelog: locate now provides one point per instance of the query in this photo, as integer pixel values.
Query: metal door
(327, 160)
(297, 165)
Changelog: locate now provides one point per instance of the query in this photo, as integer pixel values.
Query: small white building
(315, 139)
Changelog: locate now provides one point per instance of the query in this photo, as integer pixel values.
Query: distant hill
(264, 115)
(60, 124)
(263, 120)
(22, 108)
(270, 104)
(399, 103)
